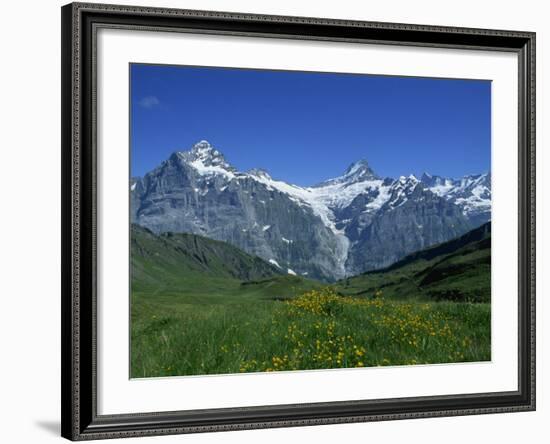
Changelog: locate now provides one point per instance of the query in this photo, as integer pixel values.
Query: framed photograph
(280, 221)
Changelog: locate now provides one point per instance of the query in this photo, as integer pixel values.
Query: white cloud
(148, 102)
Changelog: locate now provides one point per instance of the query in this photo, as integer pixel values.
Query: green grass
(170, 337)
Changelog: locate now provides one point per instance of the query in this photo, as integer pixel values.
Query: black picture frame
(80, 420)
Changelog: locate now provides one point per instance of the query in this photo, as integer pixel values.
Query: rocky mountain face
(472, 194)
(343, 226)
(411, 219)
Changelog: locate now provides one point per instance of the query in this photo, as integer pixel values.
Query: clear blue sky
(307, 127)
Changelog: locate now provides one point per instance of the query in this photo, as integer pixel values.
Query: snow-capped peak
(361, 166)
(410, 180)
(435, 181)
(405, 183)
(472, 192)
(205, 152)
(206, 160)
(202, 145)
(443, 186)
(358, 171)
(402, 189)
(259, 172)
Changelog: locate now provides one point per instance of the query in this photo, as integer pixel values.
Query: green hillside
(457, 270)
(196, 269)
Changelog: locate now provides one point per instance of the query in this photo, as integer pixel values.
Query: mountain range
(341, 227)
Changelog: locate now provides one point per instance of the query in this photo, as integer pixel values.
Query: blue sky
(306, 127)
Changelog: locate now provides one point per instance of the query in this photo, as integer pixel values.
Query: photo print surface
(285, 220)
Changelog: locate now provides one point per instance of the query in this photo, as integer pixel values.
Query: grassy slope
(458, 270)
(194, 269)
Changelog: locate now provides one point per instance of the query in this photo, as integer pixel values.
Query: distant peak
(402, 189)
(431, 180)
(407, 182)
(448, 182)
(204, 153)
(478, 176)
(204, 150)
(358, 171)
(202, 146)
(358, 166)
(259, 172)
(411, 178)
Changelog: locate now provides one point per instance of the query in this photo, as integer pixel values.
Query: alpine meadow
(285, 221)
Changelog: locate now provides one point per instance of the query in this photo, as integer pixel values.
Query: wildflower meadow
(318, 329)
